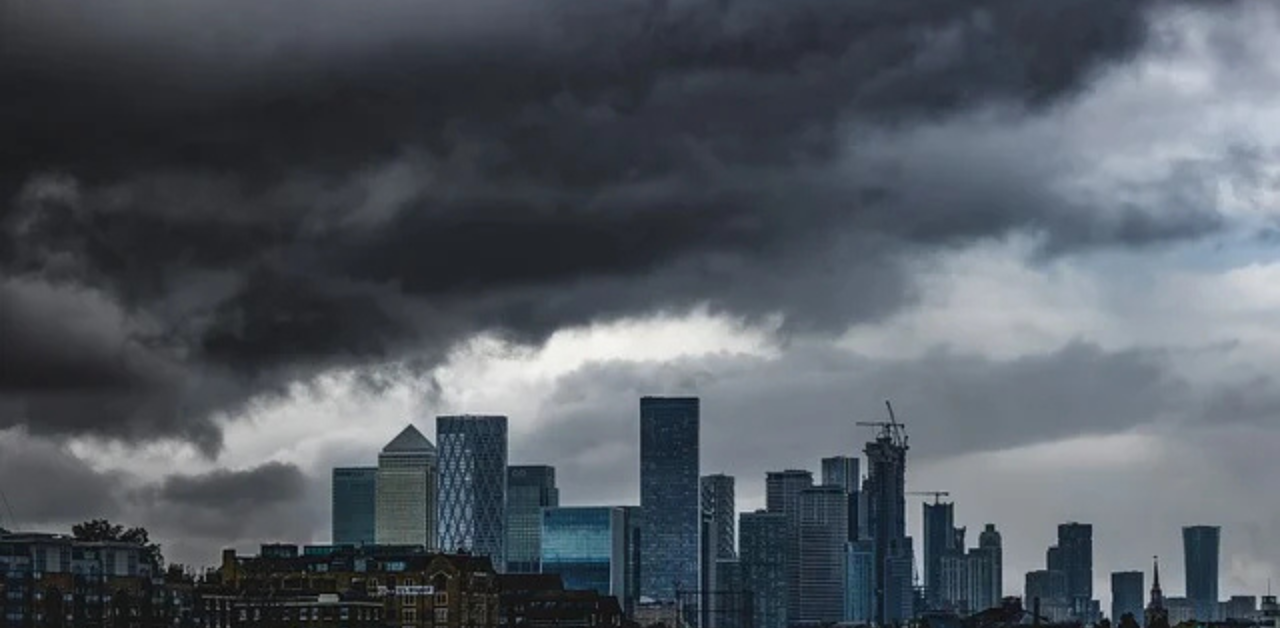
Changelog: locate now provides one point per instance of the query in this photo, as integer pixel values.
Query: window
(409, 615)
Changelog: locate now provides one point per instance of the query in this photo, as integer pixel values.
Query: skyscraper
(824, 522)
(529, 489)
(1075, 555)
(939, 541)
(990, 590)
(355, 505)
(717, 499)
(1127, 591)
(859, 581)
(887, 504)
(1048, 589)
(1200, 545)
(473, 485)
(587, 547)
(782, 495)
(764, 540)
(669, 495)
(406, 491)
(845, 472)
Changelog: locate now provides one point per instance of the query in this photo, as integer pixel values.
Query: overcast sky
(242, 242)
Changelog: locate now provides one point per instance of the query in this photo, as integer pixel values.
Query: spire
(1157, 596)
(410, 440)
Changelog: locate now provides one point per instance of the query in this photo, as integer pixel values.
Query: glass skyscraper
(886, 501)
(717, 499)
(669, 495)
(406, 491)
(529, 490)
(1200, 545)
(355, 505)
(824, 524)
(859, 582)
(1127, 591)
(588, 548)
(764, 537)
(939, 541)
(473, 485)
(1075, 559)
(845, 472)
(782, 495)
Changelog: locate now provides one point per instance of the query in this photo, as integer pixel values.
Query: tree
(103, 530)
(1129, 621)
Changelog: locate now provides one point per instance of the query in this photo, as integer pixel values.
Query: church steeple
(1157, 596)
(1157, 616)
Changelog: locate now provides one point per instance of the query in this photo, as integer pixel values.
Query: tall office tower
(1075, 555)
(939, 541)
(859, 581)
(355, 505)
(824, 524)
(473, 485)
(886, 501)
(763, 543)
(669, 496)
(406, 491)
(1127, 591)
(782, 495)
(845, 472)
(708, 544)
(992, 546)
(717, 498)
(587, 547)
(1200, 545)
(731, 603)
(1048, 589)
(529, 490)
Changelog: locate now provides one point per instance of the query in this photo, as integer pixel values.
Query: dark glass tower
(845, 472)
(1127, 591)
(939, 541)
(473, 485)
(763, 549)
(1074, 557)
(824, 522)
(782, 495)
(887, 519)
(588, 548)
(529, 490)
(670, 500)
(717, 499)
(1200, 545)
(355, 499)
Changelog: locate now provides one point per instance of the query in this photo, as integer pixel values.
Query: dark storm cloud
(256, 193)
(44, 482)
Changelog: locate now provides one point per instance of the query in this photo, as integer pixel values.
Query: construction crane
(937, 495)
(890, 430)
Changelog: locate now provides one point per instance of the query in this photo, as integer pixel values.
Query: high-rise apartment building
(886, 519)
(406, 491)
(991, 545)
(782, 495)
(845, 472)
(1200, 546)
(1127, 591)
(824, 520)
(355, 505)
(764, 537)
(473, 485)
(718, 500)
(530, 488)
(670, 499)
(588, 548)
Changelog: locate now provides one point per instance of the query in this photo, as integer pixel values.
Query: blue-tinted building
(669, 496)
(1127, 591)
(588, 548)
(859, 582)
(530, 488)
(1200, 546)
(473, 485)
(355, 495)
(886, 501)
(764, 538)
(782, 495)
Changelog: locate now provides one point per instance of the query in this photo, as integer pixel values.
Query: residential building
(669, 495)
(541, 601)
(1127, 591)
(717, 499)
(824, 521)
(763, 555)
(405, 491)
(530, 488)
(355, 505)
(1201, 546)
(473, 485)
(587, 546)
(782, 495)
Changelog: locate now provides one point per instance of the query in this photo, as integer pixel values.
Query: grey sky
(240, 243)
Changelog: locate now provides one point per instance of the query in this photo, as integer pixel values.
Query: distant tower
(845, 472)
(718, 500)
(355, 505)
(1126, 595)
(824, 520)
(887, 519)
(782, 495)
(406, 491)
(1200, 546)
(473, 485)
(991, 546)
(765, 538)
(939, 541)
(670, 500)
(1157, 614)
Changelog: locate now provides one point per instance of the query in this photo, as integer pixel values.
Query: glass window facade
(473, 485)
(354, 505)
(669, 495)
(588, 548)
(529, 490)
(764, 538)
